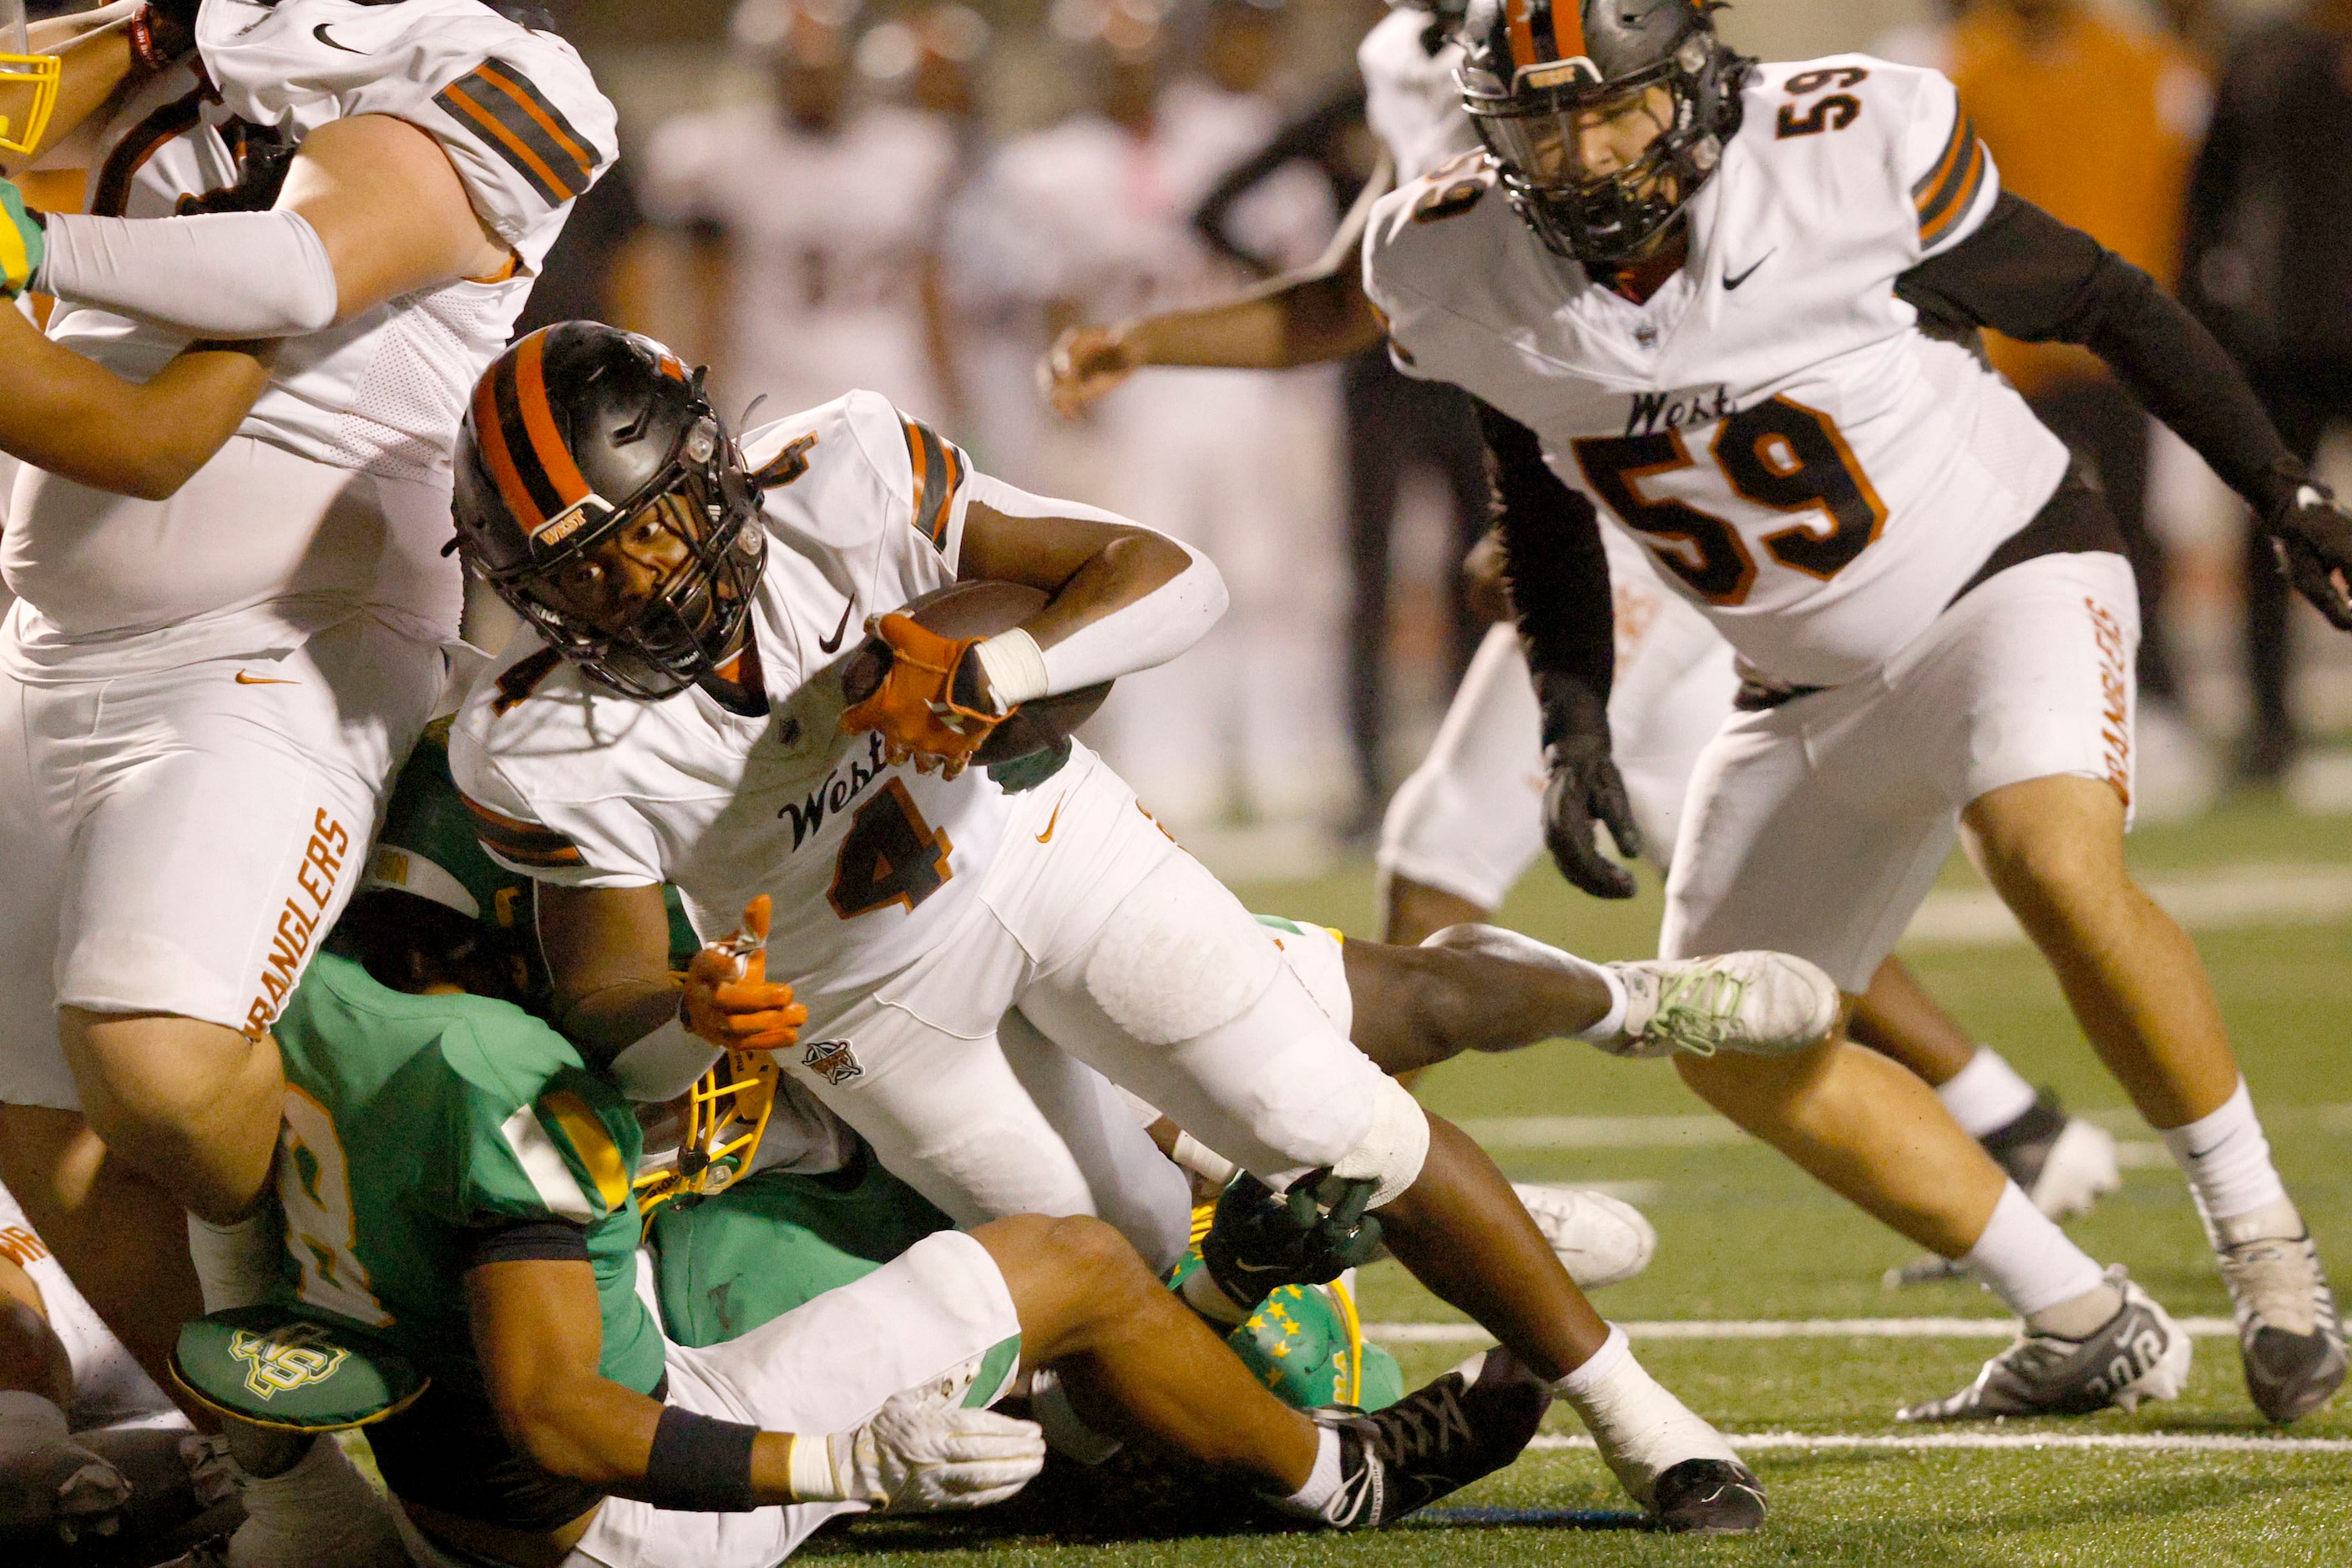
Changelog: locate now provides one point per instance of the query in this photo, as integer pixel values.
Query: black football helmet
(575, 432)
(1532, 67)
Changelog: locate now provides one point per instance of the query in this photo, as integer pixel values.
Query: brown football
(964, 610)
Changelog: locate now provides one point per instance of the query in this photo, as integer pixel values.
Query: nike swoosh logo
(827, 644)
(1729, 282)
(244, 679)
(319, 33)
(1046, 837)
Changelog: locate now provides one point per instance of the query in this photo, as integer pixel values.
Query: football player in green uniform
(455, 1178)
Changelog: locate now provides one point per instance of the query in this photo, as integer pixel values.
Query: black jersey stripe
(524, 843)
(939, 470)
(1959, 158)
(1932, 232)
(514, 120)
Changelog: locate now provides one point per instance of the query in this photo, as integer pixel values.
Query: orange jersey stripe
(516, 149)
(527, 101)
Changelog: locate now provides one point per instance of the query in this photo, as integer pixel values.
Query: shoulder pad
(293, 1370)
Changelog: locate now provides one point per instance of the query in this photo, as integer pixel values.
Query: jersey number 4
(1778, 454)
(891, 857)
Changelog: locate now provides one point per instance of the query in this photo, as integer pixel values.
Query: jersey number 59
(1779, 455)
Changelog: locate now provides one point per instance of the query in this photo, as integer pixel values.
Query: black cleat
(1707, 1497)
(1437, 1439)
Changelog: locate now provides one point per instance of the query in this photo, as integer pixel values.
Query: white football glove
(916, 1456)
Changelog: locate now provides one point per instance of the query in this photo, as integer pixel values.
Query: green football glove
(23, 241)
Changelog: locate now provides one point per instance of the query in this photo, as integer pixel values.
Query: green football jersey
(416, 1123)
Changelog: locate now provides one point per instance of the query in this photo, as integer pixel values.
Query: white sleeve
(1950, 171)
(222, 275)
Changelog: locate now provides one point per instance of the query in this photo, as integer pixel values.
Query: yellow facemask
(28, 85)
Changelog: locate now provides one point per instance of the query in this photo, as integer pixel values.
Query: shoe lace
(1425, 1423)
(2276, 1280)
(1694, 1011)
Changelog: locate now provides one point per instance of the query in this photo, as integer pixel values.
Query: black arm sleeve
(527, 1241)
(1315, 137)
(1552, 558)
(2026, 274)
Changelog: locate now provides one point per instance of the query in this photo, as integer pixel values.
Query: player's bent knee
(193, 1105)
(1393, 1153)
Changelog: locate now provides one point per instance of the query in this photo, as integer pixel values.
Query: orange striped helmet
(1535, 71)
(578, 435)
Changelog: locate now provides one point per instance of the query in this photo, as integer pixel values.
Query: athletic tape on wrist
(1015, 669)
(699, 1464)
(808, 1470)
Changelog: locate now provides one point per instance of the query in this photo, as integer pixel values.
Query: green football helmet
(427, 848)
(1305, 1343)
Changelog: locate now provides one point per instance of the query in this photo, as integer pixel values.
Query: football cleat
(2139, 1353)
(1435, 1440)
(2062, 1163)
(2289, 1334)
(1760, 1003)
(1707, 1497)
(1601, 1240)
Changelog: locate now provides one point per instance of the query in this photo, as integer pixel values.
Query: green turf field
(1742, 1237)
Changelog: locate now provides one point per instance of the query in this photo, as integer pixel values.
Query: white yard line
(1542, 1132)
(2225, 898)
(1774, 1329)
(2142, 1441)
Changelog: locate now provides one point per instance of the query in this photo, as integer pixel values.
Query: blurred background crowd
(916, 197)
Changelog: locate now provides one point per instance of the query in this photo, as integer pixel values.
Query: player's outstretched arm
(81, 420)
(372, 209)
(2024, 273)
(1305, 317)
(1559, 580)
(538, 1331)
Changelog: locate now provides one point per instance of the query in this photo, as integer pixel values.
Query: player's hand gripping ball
(2313, 536)
(930, 707)
(729, 1000)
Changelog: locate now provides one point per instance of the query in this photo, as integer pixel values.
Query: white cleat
(1758, 1004)
(1601, 1240)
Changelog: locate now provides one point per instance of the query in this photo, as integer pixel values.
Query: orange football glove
(915, 708)
(727, 1000)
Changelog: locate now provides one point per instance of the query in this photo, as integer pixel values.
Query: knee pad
(1179, 958)
(1394, 1150)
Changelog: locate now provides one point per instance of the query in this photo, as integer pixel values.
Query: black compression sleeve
(1553, 561)
(2026, 274)
(527, 1241)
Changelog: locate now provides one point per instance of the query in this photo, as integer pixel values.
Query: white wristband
(1015, 668)
(808, 1469)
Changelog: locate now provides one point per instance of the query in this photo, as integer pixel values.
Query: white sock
(319, 1514)
(1612, 1023)
(236, 1264)
(2228, 1163)
(2026, 1260)
(1322, 1481)
(1986, 1095)
(1641, 1429)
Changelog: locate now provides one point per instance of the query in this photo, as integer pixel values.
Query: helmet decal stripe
(490, 433)
(1520, 15)
(547, 446)
(1567, 29)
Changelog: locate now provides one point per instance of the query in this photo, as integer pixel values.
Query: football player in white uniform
(814, 220)
(1463, 829)
(976, 968)
(1691, 288)
(207, 693)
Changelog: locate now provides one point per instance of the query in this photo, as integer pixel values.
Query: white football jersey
(516, 112)
(867, 865)
(827, 236)
(1411, 100)
(1815, 472)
